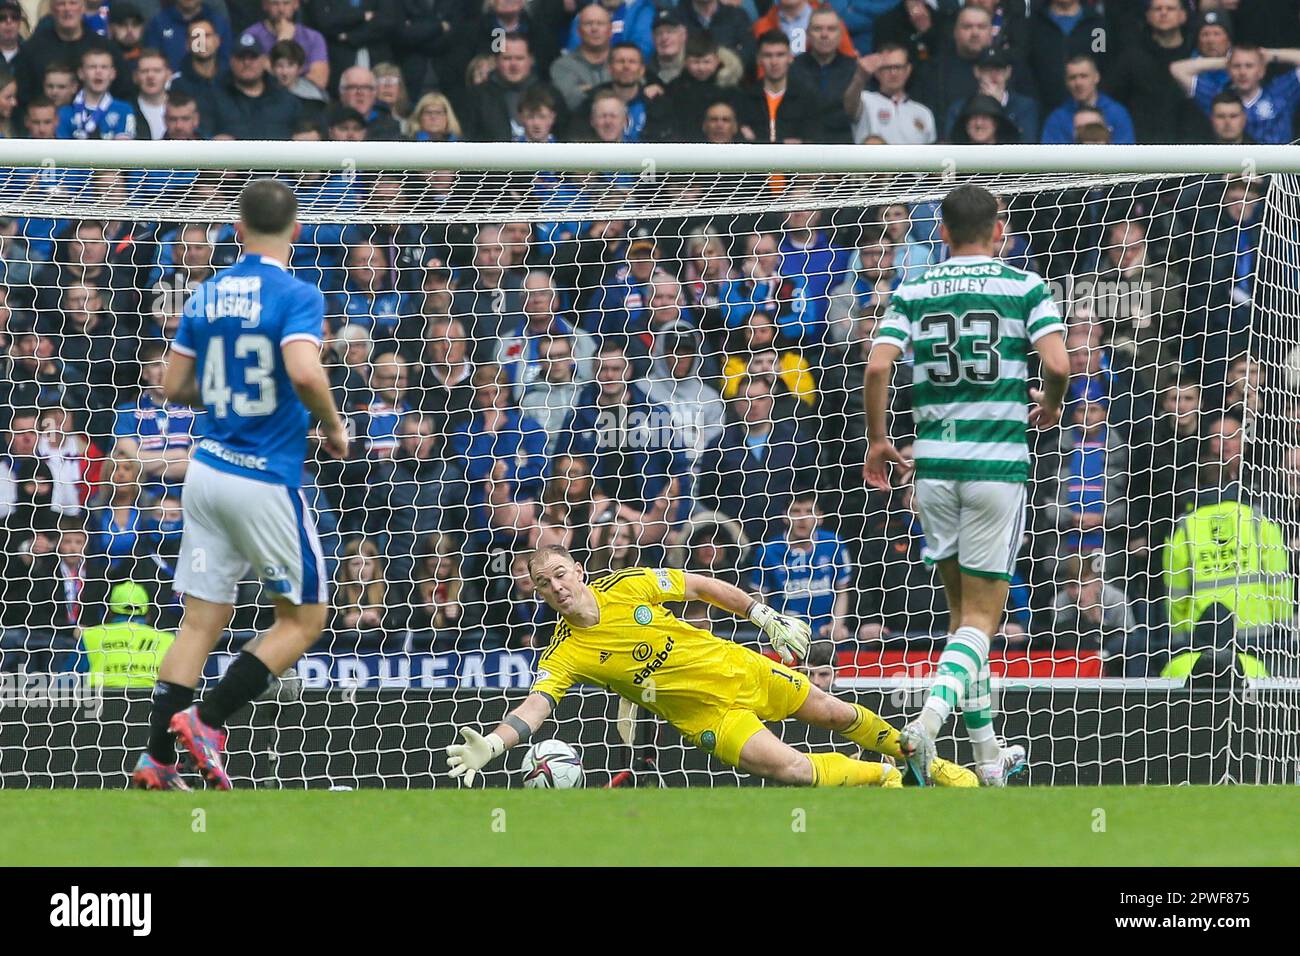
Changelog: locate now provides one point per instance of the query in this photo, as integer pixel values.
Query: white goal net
(654, 356)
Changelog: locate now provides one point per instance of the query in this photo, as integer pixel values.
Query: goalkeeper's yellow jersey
(641, 651)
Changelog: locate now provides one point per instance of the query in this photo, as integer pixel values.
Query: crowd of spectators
(680, 391)
(839, 71)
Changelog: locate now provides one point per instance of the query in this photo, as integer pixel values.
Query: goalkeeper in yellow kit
(615, 633)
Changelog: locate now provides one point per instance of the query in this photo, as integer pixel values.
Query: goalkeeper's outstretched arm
(789, 636)
(468, 758)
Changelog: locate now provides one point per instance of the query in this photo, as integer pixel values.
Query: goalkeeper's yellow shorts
(768, 691)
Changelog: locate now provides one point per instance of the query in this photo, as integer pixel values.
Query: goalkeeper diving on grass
(615, 632)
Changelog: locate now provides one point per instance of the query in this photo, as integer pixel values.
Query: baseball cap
(128, 598)
(247, 45)
(668, 18)
(994, 56)
(121, 12)
(640, 238)
(1214, 18)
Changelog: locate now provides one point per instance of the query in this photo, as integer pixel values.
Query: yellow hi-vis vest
(125, 654)
(1180, 666)
(1228, 553)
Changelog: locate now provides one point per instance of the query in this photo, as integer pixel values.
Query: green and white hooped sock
(977, 715)
(964, 657)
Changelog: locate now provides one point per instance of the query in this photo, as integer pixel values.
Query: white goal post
(653, 354)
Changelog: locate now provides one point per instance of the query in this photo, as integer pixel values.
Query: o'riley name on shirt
(958, 286)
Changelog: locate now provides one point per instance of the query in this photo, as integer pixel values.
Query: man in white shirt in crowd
(887, 112)
(151, 76)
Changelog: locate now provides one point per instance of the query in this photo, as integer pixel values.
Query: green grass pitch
(1203, 826)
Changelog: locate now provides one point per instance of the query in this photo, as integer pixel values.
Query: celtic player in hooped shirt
(969, 324)
(616, 633)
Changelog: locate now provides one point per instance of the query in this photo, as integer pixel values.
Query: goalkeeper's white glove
(789, 635)
(467, 759)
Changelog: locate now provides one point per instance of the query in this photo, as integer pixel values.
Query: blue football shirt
(803, 579)
(234, 326)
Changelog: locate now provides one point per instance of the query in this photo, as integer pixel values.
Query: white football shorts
(980, 523)
(237, 528)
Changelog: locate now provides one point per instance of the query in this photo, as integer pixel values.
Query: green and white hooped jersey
(969, 324)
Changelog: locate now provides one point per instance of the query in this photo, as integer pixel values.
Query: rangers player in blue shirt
(248, 353)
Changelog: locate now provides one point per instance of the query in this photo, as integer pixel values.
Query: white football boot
(1011, 761)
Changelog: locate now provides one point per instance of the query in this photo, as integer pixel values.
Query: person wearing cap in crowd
(1083, 80)
(126, 29)
(12, 19)
(287, 62)
(251, 104)
(679, 380)
(1212, 35)
(621, 304)
(94, 112)
(993, 69)
(669, 58)
(825, 68)
(887, 111)
(125, 651)
(425, 283)
(280, 22)
(1210, 40)
(1269, 108)
(169, 29)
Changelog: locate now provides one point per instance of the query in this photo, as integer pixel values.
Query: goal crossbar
(1252, 160)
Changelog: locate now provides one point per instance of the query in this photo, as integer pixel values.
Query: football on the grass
(552, 765)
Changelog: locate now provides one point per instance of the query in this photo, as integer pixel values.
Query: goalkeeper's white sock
(977, 715)
(964, 656)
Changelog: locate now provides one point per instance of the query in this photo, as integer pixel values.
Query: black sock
(245, 680)
(168, 700)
